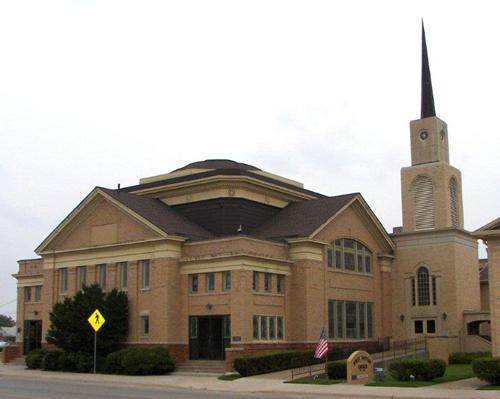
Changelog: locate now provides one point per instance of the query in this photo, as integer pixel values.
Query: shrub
(139, 361)
(85, 363)
(337, 370)
(34, 358)
(487, 369)
(423, 370)
(51, 361)
(466, 358)
(259, 364)
(67, 361)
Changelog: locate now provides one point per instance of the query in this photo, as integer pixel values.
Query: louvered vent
(423, 202)
(453, 202)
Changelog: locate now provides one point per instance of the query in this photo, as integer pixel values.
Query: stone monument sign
(359, 368)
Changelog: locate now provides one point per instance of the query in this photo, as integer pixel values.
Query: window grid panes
(123, 275)
(210, 281)
(350, 255)
(101, 276)
(280, 284)
(226, 281)
(64, 280)
(267, 281)
(351, 320)
(268, 328)
(145, 272)
(193, 282)
(423, 287)
(38, 293)
(27, 294)
(82, 276)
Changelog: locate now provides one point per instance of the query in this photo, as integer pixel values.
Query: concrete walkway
(256, 384)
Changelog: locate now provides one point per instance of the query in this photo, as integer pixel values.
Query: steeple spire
(427, 106)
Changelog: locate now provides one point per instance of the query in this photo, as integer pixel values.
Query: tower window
(423, 202)
(453, 202)
(423, 288)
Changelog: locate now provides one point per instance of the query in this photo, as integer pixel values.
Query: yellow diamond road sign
(96, 320)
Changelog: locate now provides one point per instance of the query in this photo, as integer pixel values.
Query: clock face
(424, 135)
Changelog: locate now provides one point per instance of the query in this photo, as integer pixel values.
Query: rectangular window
(413, 293)
(123, 275)
(101, 276)
(272, 327)
(226, 281)
(349, 261)
(193, 327)
(419, 326)
(267, 281)
(280, 284)
(431, 326)
(338, 259)
(38, 293)
(27, 294)
(145, 325)
(145, 271)
(329, 255)
(280, 328)
(210, 281)
(82, 276)
(255, 281)
(256, 327)
(63, 280)
(348, 319)
(193, 283)
(263, 327)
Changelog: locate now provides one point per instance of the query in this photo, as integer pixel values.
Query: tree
(6, 321)
(71, 331)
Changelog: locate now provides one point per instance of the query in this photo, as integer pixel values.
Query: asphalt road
(20, 388)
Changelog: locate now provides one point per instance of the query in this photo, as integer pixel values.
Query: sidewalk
(256, 384)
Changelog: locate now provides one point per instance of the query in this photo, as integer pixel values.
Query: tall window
(280, 284)
(226, 281)
(123, 275)
(63, 279)
(210, 281)
(27, 294)
(145, 325)
(423, 202)
(453, 202)
(255, 281)
(38, 293)
(82, 276)
(193, 283)
(145, 269)
(351, 255)
(101, 276)
(267, 281)
(351, 320)
(423, 288)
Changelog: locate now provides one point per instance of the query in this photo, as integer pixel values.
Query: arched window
(423, 288)
(350, 255)
(423, 202)
(453, 202)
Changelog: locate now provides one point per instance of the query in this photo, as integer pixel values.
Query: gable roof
(301, 219)
(159, 214)
(151, 211)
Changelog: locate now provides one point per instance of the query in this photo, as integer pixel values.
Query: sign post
(96, 320)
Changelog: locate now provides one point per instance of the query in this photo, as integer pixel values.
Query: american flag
(322, 347)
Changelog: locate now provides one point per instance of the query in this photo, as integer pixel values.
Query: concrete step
(18, 361)
(202, 366)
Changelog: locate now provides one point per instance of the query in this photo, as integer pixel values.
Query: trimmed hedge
(269, 362)
(466, 358)
(487, 369)
(139, 361)
(34, 358)
(50, 361)
(337, 370)
(422, 370)
(75, 362)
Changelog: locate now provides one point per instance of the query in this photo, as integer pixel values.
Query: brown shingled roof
(218, 164)
(159, 214)
(301, 219)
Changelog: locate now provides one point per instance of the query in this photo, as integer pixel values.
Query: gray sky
(102, 92)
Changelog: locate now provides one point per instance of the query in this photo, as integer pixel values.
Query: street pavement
(187, 386)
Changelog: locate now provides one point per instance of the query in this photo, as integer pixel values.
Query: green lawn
(453, 372)
(318, 381)
(490, 388)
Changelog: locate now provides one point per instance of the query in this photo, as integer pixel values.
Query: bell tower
(431, 187)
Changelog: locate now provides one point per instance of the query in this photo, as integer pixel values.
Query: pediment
(98, 221)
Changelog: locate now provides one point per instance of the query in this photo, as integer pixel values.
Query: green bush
(487, 369)
(337, 370)
(85, 363)
(466, 358)
(259, 364)
(67, 361)
(34, 358)
(422, 370)
(139, 361)
(51, 361)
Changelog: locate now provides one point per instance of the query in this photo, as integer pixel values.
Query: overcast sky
(105, 92)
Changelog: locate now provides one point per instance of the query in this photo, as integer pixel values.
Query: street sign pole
(95, 351)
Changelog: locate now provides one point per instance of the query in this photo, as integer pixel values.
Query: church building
(221, 259)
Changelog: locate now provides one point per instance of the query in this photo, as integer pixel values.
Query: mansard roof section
(152, 212)
(204, 170)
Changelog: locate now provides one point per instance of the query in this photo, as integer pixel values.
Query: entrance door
(32, 335)
(208, 337)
